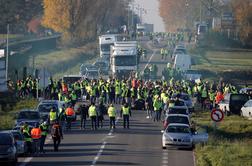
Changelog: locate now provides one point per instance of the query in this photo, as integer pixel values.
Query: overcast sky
(152, 15)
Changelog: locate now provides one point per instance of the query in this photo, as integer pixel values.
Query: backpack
(55, 131)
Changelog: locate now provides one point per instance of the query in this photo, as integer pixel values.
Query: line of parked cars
(12, 143)
(179, 132)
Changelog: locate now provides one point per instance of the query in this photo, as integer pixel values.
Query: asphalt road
(139, 145)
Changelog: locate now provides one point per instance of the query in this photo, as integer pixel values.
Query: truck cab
(123, 58)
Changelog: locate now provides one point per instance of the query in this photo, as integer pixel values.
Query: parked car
(45, 106)
(8, 150)
(180, 136)
(187, 99)
(20, 142)
(30, 117)
(246, 110)
(176, 118)
(233, 103)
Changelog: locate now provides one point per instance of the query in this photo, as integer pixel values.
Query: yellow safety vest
(111, 112)
(92, 111)
(53, 116)
(125, 110)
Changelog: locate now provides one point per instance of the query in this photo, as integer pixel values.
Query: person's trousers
(125, 120)
(93, 122)
(112, 122)
(56, 143)
(42, 143)
(83, 122)
(36, 145)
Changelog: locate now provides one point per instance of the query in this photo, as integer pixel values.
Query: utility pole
(7, 53)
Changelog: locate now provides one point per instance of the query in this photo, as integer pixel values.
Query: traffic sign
(217, 115)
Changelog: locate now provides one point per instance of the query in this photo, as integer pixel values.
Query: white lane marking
(99, 154)
(28, 159)
(165, 158)
(109, 135)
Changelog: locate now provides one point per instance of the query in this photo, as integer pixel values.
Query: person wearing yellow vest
(126, 112)
(53, 115)
(36, 135)
(112, 115)
(44, 131)
(157, 104)
(27, 137)
(93, 114)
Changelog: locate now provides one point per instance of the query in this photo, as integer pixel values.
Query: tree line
(78, 20)
(184, 13)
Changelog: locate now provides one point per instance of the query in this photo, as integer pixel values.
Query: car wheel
(164, 147)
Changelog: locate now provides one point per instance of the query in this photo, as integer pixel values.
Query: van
(233, 103)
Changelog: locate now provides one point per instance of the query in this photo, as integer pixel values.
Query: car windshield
(177, 111)
(125, 61)
(178, 119)
(46, 107)
(105, 47)
(6, 139)
(185, 97)
(28, 115)
(178, 129)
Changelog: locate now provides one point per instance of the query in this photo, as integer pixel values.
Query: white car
(180, 136)
(246, 110)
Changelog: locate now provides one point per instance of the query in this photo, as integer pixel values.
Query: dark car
(8, 150)
(233, 103)
(28, 116)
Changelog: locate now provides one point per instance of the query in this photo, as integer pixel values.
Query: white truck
(123, 59)
(105, 41)
(182, 62)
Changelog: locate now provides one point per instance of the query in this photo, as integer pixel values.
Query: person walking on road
(27, 138)
(157, 104)
(36, 135)
(69, 116)
(93, 114)
(57, 135)
(100, 111)
(44, 131)
(84, 115)
(112, 115)
(126, 112)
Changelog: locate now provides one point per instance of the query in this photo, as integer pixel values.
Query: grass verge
(7, 116)
(229, 145)
(57, 62)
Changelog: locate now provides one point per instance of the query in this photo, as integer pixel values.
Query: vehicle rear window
(28, 115)
(177, 111)
(178, 119)
(178, 129)
(47, 107)
(6, 139)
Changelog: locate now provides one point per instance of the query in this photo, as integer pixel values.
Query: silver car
(180, 136)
